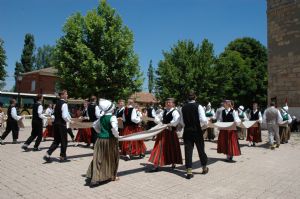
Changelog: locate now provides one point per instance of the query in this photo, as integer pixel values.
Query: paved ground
(257, 173)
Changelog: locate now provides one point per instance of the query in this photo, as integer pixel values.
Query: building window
(33, 85)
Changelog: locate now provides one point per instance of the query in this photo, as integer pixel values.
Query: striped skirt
(84, 135)
(49, 132)
(104, 165)
(136, 147)
(166, 149)
(254, 134)
(228, 143)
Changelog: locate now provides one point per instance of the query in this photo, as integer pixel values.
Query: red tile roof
(144, 97)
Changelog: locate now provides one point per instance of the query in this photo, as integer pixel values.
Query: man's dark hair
(39, 97)
(62, 92)
(272, 103)
(191, 95)
(93, 98)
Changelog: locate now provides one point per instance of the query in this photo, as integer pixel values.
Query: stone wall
(284, 51)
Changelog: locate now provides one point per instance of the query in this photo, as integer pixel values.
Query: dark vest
(128, 113)
(253, 116)
(229, 117)
(167, 118)
(120, 113)
(58, 113)
(35, 114)
(149, 112)
(9, 117)
(190, 116)
(91, 111)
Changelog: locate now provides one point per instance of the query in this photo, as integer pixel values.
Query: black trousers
(189, 140)
(70, 132)
(11, 125)
(60, 137)
(36, 132)
(94, 135)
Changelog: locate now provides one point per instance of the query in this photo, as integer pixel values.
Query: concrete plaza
(258, 173)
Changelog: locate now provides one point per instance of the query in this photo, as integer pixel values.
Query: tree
(255, 56)
(96, 56)
(44, 57)
(150, 77)
(186, 67)
(2, 61)
(27, 58)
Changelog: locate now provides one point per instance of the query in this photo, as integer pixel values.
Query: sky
(157, 25)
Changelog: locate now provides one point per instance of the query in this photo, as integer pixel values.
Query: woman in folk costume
(228, 143)
(49, 128)
(104, 165)
(254, 133)
(243, 117)
(131, 122)
(84, 135)
(284, 131)
(210, 114)
(166, 149)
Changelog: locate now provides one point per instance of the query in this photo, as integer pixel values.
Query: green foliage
(2, 61)
(95, 55)
(44, 57)
(239, 73)
(150, 77)
(27, 58)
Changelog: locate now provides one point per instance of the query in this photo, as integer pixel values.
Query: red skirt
(228, 143)
(84, 135)
(49, 132)
(136, 147)
(166, 149)
(254, 134)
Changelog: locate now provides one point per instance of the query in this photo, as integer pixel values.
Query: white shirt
(235, 115)
(49, 111)
(14, 114)
(175, 114)
(65, 112)
(134, 117)
(245, 115)
(114, 125)
(40, 112)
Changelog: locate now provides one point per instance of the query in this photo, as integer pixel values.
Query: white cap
(106, 106)
(209, 104)
(286, 108)
(241, 108)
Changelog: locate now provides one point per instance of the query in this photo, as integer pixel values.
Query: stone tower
(284, 53)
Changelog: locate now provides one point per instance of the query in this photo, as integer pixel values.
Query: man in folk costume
(193, 116)
(93, 112)
(84, 134)
(104, 165)
(272, 118)
(228, 143)
(12, 122)
(285, 131)
(131, 122)
(210, 114)
(62, 116)
(37, 125)
(243, 117)
(166, 149)
(254, 133)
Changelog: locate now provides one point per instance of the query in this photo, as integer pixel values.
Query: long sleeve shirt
(40, 112)
(65, 113)
(134, 116)
(235, 115)
(14, 114)
(175, 114)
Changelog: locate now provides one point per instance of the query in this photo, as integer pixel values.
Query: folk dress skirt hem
(228, 143)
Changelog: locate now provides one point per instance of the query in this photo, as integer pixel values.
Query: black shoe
(189, 176)
(173, 167)
(36, 149)
(154, 169)
(14, 142)
(24, 147)
(94, 184)
(142, 155)
(63, 159)
(127, 158)
(47, 158)
(253, 144)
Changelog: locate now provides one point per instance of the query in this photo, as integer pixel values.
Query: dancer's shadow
(80, 156)
(265, 145)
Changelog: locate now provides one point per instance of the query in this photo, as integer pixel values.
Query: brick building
(41, 81)
(284, 53)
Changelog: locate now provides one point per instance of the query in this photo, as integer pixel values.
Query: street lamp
(19, 79)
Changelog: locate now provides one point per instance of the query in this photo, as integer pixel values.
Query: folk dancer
(62, 116)
(84, 135)
(209, 133)
(285, 131)
(272, 118)
(37, 125)
(12, 122)
(254, 133)
(193, 116)
(243, 117)
(104, 165)
(49, 128)
(131, 122)
(228, 143)
(94, 113)
(166, 149)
